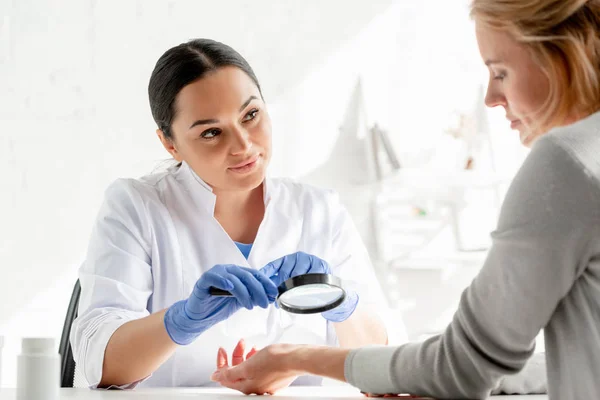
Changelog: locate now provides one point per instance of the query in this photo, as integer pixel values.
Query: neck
(240, 213)
(235, 202)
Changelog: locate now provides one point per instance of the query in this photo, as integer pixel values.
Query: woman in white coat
(214, 219)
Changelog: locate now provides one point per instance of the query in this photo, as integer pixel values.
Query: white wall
(75, 115)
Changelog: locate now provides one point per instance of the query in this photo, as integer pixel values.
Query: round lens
(311, 296)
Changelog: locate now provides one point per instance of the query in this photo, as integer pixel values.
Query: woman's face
(222, 130)
(516, 81)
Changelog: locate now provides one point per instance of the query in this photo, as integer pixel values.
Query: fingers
(273, 267)
(213, 278)
(255, 289)
(227, 376)
(287, 267)
(268, 285)
(317, 265)
(252, 352)
(302, 264)
(250, 287)
(324, 267)
(238, 353)
(240, 292)
(221, 358)
(306, 264)
(295, 264)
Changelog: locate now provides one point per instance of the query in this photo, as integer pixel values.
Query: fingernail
(215, 376)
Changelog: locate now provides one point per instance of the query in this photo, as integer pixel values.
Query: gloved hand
(294, 264)
(301, 263)
(187, 319)
(344, 310)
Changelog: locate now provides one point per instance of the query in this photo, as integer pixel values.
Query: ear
(169, 145)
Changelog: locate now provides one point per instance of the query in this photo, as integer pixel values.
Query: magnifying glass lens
(311, 297)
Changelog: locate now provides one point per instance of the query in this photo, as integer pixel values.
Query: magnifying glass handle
(213, 291)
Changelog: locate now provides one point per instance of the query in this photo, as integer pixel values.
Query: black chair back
(67, 366)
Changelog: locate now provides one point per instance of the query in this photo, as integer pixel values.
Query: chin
(525, 137)
(248, 182)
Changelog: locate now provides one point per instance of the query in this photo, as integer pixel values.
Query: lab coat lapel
(204, 232)
(280, 232)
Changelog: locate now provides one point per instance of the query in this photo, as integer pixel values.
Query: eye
(500, 76)
(251, 115)
(210, 133)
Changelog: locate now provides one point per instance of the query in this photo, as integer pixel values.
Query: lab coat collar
(201, 191)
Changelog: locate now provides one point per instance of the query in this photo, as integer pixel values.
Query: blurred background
(380, 99)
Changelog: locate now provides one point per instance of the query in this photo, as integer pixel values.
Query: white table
(297, 393)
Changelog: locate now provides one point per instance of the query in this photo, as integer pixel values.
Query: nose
(241, 142)
(494, 96)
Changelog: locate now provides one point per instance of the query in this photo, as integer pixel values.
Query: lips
(514, 122)
(247, 161)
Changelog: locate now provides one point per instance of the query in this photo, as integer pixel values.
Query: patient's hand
(237, 357)
(258, 372)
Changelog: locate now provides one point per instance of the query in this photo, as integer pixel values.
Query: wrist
(299, 359)
(180, 328)
(318, 360)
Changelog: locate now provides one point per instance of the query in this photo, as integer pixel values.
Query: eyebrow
(489, 62)
(214, 121)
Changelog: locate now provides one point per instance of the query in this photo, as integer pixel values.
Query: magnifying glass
(305, 294)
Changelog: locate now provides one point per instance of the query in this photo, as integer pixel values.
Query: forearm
(361, 329)
(136, 350)
(321, 361)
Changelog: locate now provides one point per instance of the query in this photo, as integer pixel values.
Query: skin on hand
(262, 372)
(277, 366)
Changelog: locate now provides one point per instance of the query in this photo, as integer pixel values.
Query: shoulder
(559, 180)
(137, 192)
(577, 143)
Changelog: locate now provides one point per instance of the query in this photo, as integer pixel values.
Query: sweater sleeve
(538, 251)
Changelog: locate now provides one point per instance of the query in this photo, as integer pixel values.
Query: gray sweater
(542, 272)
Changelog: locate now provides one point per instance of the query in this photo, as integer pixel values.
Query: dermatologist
(213, 219)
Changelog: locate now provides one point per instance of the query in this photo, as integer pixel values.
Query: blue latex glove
(344, 310)
(294, 264)
(187, 319)
(301, 263)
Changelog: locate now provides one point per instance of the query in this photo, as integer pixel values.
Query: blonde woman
(543, 271)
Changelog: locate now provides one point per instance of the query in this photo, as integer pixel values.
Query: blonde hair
(564, 36)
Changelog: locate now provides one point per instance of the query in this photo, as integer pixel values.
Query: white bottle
(38, 370)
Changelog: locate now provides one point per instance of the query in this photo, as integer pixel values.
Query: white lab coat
(154, 237)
